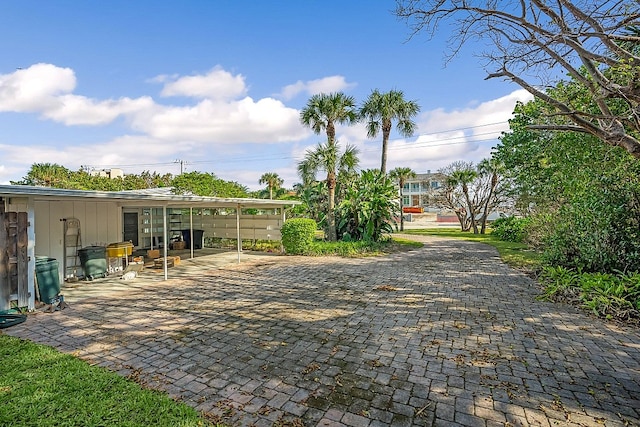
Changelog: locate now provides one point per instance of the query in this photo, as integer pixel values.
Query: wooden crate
(159, 262)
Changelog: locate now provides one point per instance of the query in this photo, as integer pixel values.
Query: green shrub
(368, 208)
(606, 295)
(298, 235)
(510, 229)
(600, 232)
(361, 248)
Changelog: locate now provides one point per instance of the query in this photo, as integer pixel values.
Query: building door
(131, 227)
(13, 259)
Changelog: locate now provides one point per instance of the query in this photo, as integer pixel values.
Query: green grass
(40, 386)
(517, 255)
(361, 248)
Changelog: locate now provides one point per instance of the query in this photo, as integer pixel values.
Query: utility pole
(182, 163)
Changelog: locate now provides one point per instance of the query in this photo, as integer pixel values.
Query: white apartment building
(418, 191)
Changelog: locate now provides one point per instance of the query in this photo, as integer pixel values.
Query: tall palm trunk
(386, 131)
(331, 133)
(401, 184)
(331, 216)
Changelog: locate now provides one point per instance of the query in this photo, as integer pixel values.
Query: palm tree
(401, 175)
(381, 109)
(464, 177)
(272, 180)
(326, 157)
(48, 175)
(323, 111)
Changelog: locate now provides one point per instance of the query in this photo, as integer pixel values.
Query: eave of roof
(139, 198)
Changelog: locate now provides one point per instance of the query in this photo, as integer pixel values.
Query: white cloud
(312, 87)
(225, 115)
(46, 89)
(36, 88)
(216, 84)
(246, 120)
(489, 116)
(80, 110)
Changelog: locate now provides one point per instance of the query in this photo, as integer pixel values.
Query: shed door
(13, 259)
(131, 227)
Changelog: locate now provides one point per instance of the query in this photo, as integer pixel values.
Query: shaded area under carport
(204, 260)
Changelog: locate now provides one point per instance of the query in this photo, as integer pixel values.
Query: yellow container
(119, 250)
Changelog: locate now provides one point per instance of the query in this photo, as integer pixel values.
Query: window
(415, 186)
(406, 200)
(435, 184)
(406, 186)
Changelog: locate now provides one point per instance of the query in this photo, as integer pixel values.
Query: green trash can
(94, 261)
(48, 278)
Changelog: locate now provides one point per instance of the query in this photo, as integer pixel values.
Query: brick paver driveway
(444, 335)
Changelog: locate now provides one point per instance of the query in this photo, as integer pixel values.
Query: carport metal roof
(144, 198)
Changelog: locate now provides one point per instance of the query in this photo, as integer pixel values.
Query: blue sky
(220, 84)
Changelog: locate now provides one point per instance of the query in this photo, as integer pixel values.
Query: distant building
(419, 191)
(108, 173)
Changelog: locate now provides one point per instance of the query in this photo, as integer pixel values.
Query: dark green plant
(606, 295)
(298, 235)
(362, 248)
(583, 197)
(369, 208)
(206, 184)
(510, 229)
(599, 230)
(328, 158)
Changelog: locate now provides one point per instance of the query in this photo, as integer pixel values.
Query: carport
(34, 218)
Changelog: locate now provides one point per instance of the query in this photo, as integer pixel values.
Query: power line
(414, 145)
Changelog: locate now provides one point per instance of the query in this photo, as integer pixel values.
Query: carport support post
(284, 219)
(238, 231)
(164, 240)
(151, 222)
(191, 230)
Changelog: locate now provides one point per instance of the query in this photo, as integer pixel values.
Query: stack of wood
(171, 261)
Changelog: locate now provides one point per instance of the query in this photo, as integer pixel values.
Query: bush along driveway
(442, 335)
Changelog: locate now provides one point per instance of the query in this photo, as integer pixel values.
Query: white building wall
(100, 223)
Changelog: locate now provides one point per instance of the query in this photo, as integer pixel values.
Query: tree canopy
(324, 110)
(57, 176)
(207, 184)
(535, 43)
(583, 197)
(380, 110)
(199, 183)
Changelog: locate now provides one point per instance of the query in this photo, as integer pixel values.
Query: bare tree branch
(535, 43)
